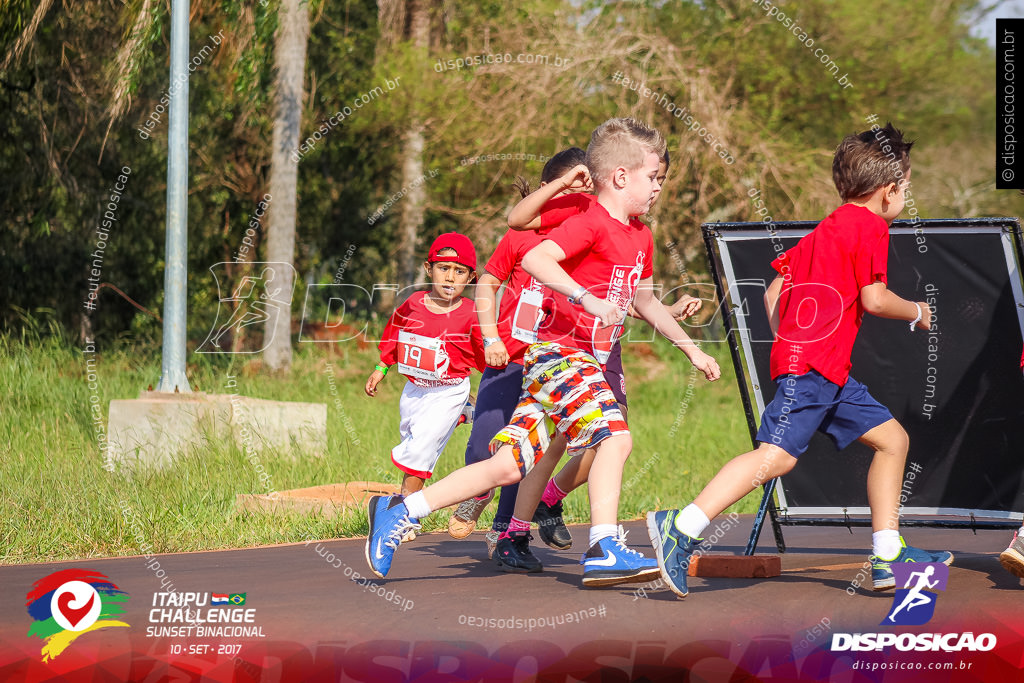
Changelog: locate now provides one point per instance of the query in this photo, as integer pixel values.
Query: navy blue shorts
(808, 403)
(614, 374)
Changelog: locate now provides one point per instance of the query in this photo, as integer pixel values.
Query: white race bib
(420, 356)
(528, 315)
(604, 340)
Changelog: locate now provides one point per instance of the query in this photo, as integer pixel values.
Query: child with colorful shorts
(506, 336)
(607, 263)
(540, 496)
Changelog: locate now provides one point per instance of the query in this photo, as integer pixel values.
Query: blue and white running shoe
(609, 562)
(389, 524)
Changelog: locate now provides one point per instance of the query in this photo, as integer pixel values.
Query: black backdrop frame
(746, 325)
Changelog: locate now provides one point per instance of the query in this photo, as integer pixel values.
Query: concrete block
(158, 427)
(735, 566)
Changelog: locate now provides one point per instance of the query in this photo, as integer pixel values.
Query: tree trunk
(290, 65)
(415, 200)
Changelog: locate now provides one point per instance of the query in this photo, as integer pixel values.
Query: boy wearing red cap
(434, 339)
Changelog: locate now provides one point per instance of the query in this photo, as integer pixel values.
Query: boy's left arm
(658, 316)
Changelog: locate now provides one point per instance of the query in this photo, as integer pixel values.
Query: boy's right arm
(526, 214)
(879, 301)
(372, 381)
(388, 348)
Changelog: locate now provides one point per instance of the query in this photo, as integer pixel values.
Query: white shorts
(429, 416)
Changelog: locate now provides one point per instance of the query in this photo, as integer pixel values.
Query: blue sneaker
(609, 562)
(389, 524)
(674, 549)
(881, 574)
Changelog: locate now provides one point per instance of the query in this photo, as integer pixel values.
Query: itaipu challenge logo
(71, 603)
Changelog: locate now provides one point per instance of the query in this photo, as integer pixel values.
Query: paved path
(444, 613)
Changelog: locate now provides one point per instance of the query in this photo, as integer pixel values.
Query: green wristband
(383, 369)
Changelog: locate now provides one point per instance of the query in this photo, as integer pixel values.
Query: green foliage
(750, 80)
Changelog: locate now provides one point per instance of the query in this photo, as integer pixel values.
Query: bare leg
(474, 480)
(411, 484)
(531, 488)
(741, 475)
(885, 476)
(606, 478)
(577, 470)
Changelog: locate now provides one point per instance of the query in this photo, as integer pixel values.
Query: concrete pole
(172, 375)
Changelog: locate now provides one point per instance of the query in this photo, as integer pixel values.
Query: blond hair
(621, 142)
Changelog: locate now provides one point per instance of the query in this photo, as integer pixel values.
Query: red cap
(465, 254)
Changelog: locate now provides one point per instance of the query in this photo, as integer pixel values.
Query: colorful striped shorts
(566, 385)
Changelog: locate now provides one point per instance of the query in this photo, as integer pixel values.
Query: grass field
(57, 502)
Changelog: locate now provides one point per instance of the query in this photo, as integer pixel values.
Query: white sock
(886, 544)
(692, 521)
(1020, 532)
(599, 531)
(418, 505)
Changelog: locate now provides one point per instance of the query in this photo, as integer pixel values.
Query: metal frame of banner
(715, 239)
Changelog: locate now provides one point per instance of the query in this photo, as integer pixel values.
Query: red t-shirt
(819, 307)
(561, 209)
(432, 348)
(523, 302)
(607, 257)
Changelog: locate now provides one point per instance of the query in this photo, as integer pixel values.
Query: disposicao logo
(914, 604)
(70, 603)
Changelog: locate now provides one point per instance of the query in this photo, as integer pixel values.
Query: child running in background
(608, 263)
(505, 340)
(433, 337)
(840, 268)
(540, 497)
(1012, 558)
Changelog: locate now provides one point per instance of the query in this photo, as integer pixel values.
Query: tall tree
(410, 22)
(290, 64)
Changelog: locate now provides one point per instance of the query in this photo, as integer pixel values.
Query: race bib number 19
(420, 356)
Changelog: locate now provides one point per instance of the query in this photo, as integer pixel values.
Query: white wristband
(576, 298)
(915, 321)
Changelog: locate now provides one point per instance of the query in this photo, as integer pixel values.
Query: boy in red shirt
(602, 261)
(816, 303)
(538, 497)
(434, 339)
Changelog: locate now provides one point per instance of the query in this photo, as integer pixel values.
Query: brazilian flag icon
(237, 598)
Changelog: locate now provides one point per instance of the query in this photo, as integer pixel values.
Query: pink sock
(552, 494)
(515, 525)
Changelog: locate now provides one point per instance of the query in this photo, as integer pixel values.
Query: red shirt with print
(523, 301)
(819, 307)
(433, 348)
(607, 257)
